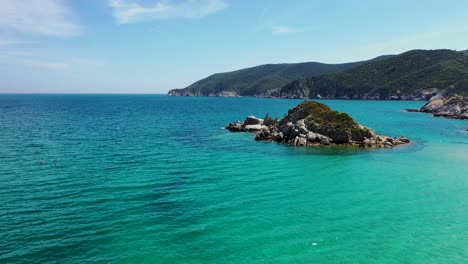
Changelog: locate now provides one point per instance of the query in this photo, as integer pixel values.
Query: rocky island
(313, 124)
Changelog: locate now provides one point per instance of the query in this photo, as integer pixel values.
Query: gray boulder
(250, 124)
(235, 127)
(252, 120)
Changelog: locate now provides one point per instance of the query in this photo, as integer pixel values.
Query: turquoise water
(154, 179)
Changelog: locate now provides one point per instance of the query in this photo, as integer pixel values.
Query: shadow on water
(163, 196)
(353, 150)
(459, 142)
(336, 150)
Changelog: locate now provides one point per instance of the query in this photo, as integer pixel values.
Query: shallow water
(154, 179)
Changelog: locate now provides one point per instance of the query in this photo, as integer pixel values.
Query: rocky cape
(313, 124)
(446, 105)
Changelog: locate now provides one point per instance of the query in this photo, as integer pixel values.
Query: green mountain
(413, 75)
(263, 80)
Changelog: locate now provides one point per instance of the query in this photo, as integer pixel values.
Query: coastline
(298, 98)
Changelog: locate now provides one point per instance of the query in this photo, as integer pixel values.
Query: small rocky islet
(314, 124)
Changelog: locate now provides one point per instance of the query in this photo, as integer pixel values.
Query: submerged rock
(312, 123)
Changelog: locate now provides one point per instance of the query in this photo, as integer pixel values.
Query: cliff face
(413, 75)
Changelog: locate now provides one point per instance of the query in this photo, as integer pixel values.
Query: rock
(313, 123)
(403, 139)
(311, 136)
(412, 110)
(250, 124)
(252, 120)
(235, 127)
(323, 140)
(300, 141)
(449, 106)
(255, 127)
(228, 94)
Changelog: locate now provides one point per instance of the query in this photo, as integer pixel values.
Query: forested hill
(413, 75)
(263, 80)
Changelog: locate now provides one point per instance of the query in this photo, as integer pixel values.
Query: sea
(156, 179)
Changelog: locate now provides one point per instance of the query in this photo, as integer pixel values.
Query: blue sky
(151, 46)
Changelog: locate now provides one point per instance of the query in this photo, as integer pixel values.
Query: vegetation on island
(318, 113)
(322, 119)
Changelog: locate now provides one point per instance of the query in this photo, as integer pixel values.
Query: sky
(152, 46)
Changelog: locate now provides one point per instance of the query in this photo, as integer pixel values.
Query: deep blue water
(154, 179)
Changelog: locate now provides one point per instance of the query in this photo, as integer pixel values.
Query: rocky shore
(296, 90)
(448, 106)
(455, 107)
(313, 124)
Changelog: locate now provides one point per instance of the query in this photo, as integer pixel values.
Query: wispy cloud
(285, 30)
(12, 41)
(41, 17)
(130, 12)
(48, 61)
(51, 65)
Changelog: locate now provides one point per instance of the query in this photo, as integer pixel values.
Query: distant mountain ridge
(413, 75)
(263, 80)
